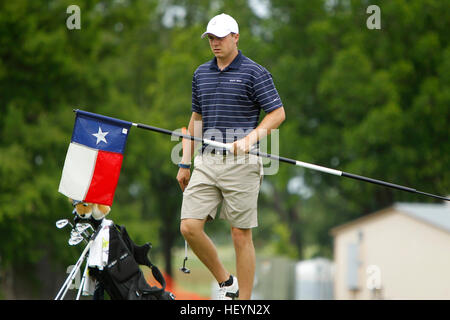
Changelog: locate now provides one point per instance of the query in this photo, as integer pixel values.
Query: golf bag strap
(140, 254)
(158, 276)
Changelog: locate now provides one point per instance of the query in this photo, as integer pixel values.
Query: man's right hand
(183, 177)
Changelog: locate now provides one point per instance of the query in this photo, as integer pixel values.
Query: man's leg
(193, 231)
(245, 260)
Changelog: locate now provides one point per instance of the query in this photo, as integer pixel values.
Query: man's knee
(241, 236)
(190, 228)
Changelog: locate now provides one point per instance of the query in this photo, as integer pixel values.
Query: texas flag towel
(94, 158)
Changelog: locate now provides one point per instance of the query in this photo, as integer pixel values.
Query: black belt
(218, 152)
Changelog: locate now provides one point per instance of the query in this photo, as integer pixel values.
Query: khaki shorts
(232, 181)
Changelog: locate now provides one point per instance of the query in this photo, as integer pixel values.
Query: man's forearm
(195, 130)
(270, 122)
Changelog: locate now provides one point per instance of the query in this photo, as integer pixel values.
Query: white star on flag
(100, 135)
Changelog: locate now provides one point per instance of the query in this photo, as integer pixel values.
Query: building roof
(435, 214)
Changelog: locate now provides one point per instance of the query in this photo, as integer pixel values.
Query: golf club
(270, 156)
(294, 162)
(62, 223)
(183, 268)
(82, 227)
(83, 281)
(75, 239)
(62, 292)
(65, 287)
(76, 233)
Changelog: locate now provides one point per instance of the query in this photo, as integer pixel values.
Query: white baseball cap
(221, 25)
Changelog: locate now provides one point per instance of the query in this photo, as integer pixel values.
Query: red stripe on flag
(105, 178)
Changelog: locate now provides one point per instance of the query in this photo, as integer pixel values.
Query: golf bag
(122, 278)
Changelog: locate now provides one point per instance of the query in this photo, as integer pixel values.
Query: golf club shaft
(181, 135)
(83, 280)
(62, 292)
(65, 286)
(291, 161)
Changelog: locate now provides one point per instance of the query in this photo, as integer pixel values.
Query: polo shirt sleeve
(195, 101)
(264, 92)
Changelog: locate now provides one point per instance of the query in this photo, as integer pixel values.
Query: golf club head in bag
(83, 227)
(62, 223)
(75, 240)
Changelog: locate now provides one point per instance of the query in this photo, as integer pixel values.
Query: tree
(370, 102)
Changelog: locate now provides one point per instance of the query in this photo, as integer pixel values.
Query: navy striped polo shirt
(230, 100)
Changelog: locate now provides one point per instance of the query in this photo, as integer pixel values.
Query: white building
(401, 252)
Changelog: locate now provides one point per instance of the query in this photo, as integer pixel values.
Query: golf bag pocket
(122, 277)
(123, 268)
(140, 290)
(126, 279)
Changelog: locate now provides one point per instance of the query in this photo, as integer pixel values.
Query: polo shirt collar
(235, 64)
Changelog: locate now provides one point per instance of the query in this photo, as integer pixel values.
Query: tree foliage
(370, 102)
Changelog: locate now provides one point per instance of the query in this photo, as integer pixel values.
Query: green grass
(200, 279)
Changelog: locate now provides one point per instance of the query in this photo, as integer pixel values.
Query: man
(228, 94)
